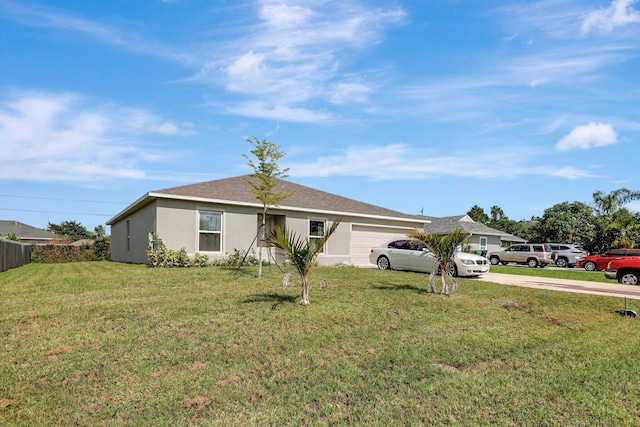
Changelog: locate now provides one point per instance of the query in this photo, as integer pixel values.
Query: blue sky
(418, 106)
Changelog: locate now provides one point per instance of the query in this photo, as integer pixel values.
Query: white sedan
(413, 255)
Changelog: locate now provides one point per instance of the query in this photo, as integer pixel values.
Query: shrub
(234, 259)
(62, 251)
(160, 256)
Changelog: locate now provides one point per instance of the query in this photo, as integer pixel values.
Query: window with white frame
(483, 243)
(316, 230)
(210, 232)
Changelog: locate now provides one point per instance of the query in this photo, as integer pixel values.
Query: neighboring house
(217, 217)
(26, 233)
(482, 238)
(82, 242)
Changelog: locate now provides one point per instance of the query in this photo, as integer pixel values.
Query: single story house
(217, 217)
(26, 233)
(483, 239)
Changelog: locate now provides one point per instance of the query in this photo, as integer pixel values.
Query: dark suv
(531, 254)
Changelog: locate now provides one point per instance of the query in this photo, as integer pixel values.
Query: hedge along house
(217, 217)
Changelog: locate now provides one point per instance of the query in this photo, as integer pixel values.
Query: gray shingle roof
(24, 231)
(236, 189)
(448, 224)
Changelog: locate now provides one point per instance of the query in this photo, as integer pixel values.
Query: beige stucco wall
(337, 248)
(493, 242)
(176, 223)
(178, 226)
(140, 223)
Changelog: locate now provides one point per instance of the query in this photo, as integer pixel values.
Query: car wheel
(562, 262)
(452, 271)
(629, 278)
(532, 262)
(383, 263)
(590, 266)
(494, 260)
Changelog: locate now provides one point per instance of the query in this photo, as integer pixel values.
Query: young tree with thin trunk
(443, 247)
(264, 181)
(302, 253)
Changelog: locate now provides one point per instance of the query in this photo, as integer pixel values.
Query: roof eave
(147, 198)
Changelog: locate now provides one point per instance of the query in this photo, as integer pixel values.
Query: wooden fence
(13, 254)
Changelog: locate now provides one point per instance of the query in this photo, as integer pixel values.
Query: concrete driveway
(613, 289)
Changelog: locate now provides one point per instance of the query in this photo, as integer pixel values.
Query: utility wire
(53, 212)
(63, 200)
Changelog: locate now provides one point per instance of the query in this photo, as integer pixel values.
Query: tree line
(602, 225)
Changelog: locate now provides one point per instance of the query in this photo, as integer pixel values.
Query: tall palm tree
(302, 253)
(443, 247)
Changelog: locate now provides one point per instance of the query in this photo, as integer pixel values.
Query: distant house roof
(237, 191)
(449, 223)
(82, 242)
(24, 231)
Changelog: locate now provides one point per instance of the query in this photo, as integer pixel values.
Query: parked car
(566, 255)
(600, 261)
(413, 255)
(624, 270)
(531, 254)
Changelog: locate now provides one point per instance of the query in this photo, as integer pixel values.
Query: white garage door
(365, 237)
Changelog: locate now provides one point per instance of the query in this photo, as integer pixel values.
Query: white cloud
(138, 121)
(296, 55)
(57, 19)
(284, 112)
(350, 92)
(588, 136)
(43, 16)
(281, 15)
(401, 161)
(58, 136)
(558, 20)
(620, 13)
(570, 172)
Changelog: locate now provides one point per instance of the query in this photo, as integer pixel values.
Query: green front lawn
(115, 344)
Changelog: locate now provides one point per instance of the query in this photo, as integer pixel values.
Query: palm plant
(302, 253)
(443, 247)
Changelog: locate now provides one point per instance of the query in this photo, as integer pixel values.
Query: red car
(600, 261)
(625, 271)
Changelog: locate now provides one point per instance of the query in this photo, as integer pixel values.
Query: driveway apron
(613, 289)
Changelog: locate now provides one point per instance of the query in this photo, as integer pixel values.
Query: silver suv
(566, 255)
(531, 254)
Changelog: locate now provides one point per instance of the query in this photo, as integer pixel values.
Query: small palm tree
(443, 247)
(302, 253)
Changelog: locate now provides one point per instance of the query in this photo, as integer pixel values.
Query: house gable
(448, 224)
